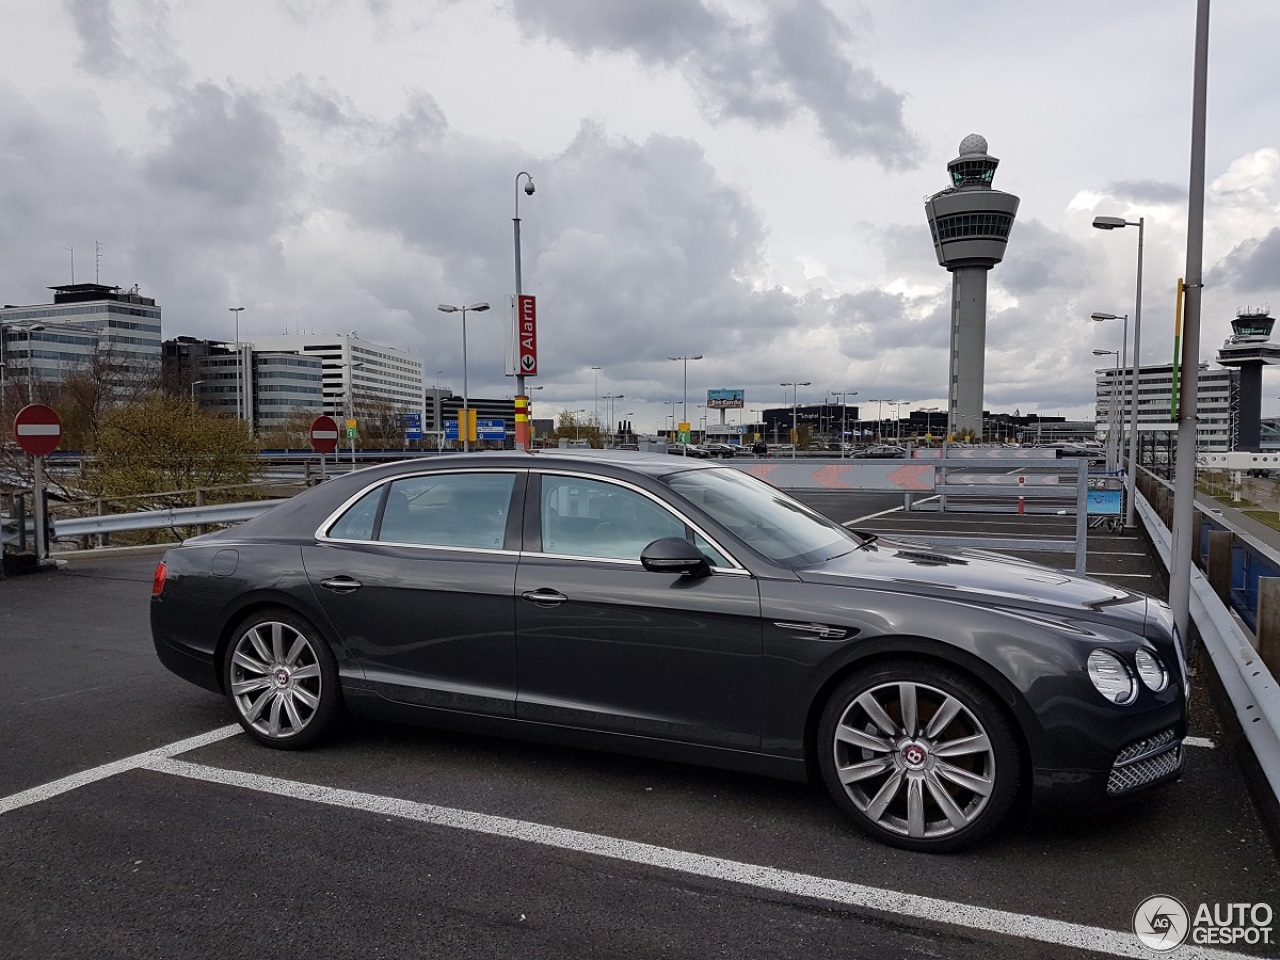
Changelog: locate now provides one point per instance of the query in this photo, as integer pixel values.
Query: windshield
(782, 529)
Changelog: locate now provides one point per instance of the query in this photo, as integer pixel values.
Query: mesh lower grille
(1146, 745)
(1128, 773)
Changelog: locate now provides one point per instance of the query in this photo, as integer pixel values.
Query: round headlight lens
(1151, 671)
(1112, 677)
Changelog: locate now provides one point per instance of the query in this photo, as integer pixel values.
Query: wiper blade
(867, 539)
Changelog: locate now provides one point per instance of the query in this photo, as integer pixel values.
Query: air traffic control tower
(970, 223)
(1250, 349)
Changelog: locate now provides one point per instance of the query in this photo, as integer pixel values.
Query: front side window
(783, 529)
(448, 510)
(582, 517)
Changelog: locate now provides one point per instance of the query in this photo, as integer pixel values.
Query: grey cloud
(1039, 260)
(94, 22)
(1252, 267)
(1148, 191)
(766, 74)
(223, 147)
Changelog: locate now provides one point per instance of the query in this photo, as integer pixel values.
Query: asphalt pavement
(134, 822)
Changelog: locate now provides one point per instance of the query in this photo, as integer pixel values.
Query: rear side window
(448, 510)
(358, 522)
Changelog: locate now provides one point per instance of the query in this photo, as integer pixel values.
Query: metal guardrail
(1250, 686)
(160, 519)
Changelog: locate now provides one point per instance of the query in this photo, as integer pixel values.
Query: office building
(88, 325)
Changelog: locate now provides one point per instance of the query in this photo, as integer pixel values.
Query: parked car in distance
(683, 610)
(719, 449)
(687, 450)
(882, 451)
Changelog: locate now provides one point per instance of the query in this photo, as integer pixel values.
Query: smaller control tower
(970, 223)
(1250, 349)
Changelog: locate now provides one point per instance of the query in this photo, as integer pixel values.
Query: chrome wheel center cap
(281, 677)
(915, 756)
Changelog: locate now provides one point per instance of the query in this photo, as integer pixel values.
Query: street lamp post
(795, 411)
(608, 408)
(1131, 386)
(1113, 223)
(194, 384)
(352, 366)
(522, 437)
(464, 427)
(1111, 413)
(897, 418)
(844, 396)
(239, 374)
(684, 415)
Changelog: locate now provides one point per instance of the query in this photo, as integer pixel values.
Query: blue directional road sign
(412, 423)
(491, 429)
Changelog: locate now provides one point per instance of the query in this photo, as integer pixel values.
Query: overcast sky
(742, 179)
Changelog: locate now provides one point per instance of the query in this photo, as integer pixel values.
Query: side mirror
(675, 555)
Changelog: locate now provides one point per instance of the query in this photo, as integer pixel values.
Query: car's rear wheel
(282, 680)
(919, 754)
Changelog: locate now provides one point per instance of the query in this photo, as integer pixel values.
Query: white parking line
(47, 790)
(1115, 943)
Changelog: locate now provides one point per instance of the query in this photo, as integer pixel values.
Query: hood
(977, 576)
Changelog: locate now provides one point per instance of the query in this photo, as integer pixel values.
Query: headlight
(1151, 671)
(1112, 677)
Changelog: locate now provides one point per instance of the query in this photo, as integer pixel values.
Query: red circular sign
(37, 429)
(324, 434)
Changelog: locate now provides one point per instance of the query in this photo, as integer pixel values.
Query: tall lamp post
(522, 437)
(844, 396)
(609, 398)
(595, 384)
(684, 415)
(1111, 413)
(352, 366)
(795, 411)
(1114, 223)
(464, 428)
(239, 373)
(1131, 385)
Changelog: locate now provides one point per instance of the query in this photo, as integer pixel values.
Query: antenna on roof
(72, 250)
(97, 260)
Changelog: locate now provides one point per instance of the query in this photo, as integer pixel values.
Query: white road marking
(1198, 742)
(897, 905)
(45, 791)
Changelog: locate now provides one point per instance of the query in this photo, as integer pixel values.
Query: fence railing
(1248, 680)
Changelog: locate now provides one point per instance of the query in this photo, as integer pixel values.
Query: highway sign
(37, 429)
(324, 435)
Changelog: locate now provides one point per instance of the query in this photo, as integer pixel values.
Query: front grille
(1147, 745)
(1145, 761)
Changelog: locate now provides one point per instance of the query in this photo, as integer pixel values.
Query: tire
(282, 680)
(912, 783)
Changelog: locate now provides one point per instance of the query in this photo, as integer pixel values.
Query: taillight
(157, 582)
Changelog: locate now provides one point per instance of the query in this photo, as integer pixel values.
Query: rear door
(418, 577)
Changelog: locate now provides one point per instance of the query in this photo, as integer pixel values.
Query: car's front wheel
(919, 754)
(282, 680)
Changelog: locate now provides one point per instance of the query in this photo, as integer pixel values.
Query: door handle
(341, 584)
(544, 597)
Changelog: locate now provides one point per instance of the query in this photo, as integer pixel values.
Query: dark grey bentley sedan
(681, 609)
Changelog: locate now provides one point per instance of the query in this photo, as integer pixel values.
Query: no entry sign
(37, 429)
(324, 434)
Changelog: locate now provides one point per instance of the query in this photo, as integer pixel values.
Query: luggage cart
(1105, 503)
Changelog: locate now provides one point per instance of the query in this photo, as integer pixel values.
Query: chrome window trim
(323, 537)
(576, 558)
